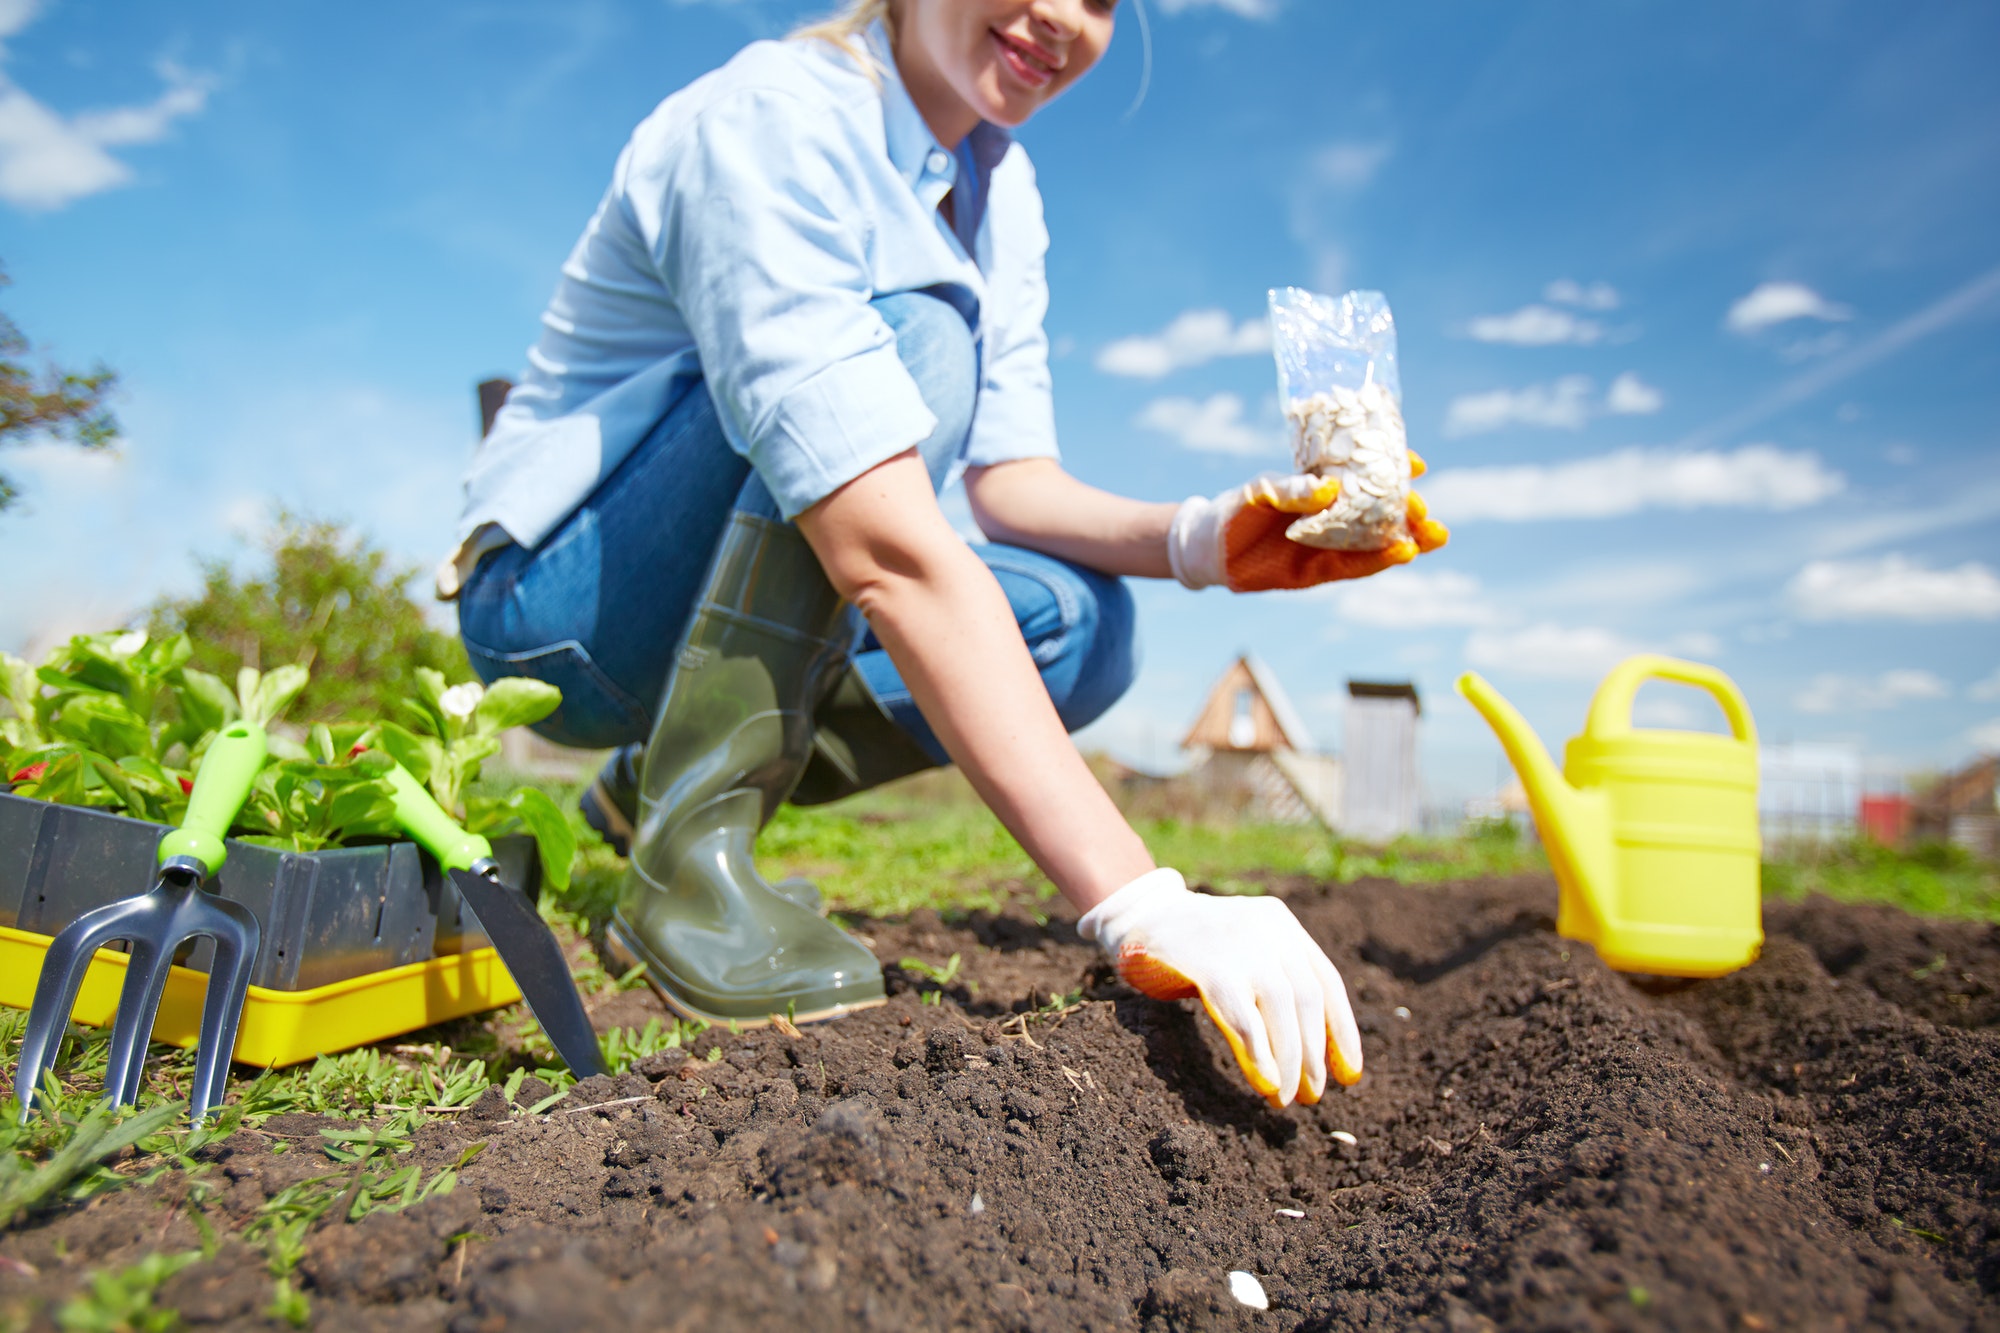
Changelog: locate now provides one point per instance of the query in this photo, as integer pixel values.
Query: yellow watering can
(1653, 834)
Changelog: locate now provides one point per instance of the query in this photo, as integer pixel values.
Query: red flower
(187, 787)
(357, 749)
(31, 772)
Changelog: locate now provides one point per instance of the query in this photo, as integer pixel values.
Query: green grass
(1933, 879)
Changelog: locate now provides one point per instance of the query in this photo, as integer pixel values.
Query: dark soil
(1541, 1143)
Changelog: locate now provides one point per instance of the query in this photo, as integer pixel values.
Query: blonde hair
(845, 29)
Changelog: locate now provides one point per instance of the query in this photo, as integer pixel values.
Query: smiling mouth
(1030, 66)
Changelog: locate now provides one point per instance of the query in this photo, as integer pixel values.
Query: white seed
(977, 1206)
(1291, 1212)
(1401, 1012)
(1345, 1138)
(1248, 1290)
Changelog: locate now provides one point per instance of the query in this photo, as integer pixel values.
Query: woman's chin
(1003, 105)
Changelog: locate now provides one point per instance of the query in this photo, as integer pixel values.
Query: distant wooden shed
(1963, 808)
(1256, 753)
(1380, 760)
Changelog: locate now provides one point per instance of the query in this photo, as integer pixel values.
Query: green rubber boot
(856, 746)
(733, 736)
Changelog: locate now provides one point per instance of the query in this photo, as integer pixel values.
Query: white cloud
(1592, 296)
(1578, 653)
(1985, 689)
(1650, 710)
(1249, 9)
(1350, 165)
(1772, 303)
(1534, 326)
(1194, 338)
(48, 160)
(1986, 735)
(16, 15)
(1757, 476)
(1211, 426)
(1830, 693)
(1630, 396)
(1894, 588)
(1406, 598)
(1563, 405)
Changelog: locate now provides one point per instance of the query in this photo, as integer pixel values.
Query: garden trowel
(509, 919)
(153, 925)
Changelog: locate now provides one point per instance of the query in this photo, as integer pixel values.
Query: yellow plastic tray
(281, 1027)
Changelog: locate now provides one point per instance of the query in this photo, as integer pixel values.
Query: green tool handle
(220, 788)
(425, 820)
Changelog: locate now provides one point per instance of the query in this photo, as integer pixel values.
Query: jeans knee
(1106, 649)
(1080, 626)
(936, 347)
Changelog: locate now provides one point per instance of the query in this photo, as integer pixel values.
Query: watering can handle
(1611, 709)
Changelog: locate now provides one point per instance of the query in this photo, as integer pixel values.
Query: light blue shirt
(750, 220)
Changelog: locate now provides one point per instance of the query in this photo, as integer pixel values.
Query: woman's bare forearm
(1036, 504)
(946, 625)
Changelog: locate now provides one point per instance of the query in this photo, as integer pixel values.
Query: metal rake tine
(236, 933)
(64, 966)
(132, 1025)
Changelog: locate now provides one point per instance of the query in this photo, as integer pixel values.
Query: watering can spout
(1575, 825)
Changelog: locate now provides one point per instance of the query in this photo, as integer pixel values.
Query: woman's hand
(1237, 540)
(1273, 992)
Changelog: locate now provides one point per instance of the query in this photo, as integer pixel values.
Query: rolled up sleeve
(760, 237)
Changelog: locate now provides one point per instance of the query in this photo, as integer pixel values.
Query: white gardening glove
(1272, 991)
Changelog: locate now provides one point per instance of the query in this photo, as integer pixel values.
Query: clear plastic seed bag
(1342, 399)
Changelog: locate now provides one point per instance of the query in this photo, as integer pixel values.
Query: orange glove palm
(1238, 538)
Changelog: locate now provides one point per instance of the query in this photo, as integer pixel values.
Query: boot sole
(602, 814)
(624, 958)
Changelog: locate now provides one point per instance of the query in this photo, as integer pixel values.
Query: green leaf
(362, 808)
(532, 809)
(64, 782)
(205, 701)
(275, 693)
(319, 743)
(421, 755)
(103, 723)
(514, 701)
(428, 706)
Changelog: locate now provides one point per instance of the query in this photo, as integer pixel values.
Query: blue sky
(1698, 305)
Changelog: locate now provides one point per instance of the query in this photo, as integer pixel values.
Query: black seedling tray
(326, 916)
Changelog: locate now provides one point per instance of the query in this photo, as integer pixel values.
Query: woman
(814, 285)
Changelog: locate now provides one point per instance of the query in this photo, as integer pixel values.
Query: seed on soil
(1401, 1012)
(1248, 1290)
(977, 1206)
(1291, 1212)
(1345, 1137)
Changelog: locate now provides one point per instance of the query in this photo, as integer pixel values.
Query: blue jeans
(599, 608)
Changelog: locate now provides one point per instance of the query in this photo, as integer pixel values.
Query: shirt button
(937, 161)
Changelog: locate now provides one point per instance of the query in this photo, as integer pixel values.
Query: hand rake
(154, 925)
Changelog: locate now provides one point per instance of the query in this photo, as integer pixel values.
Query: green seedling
(289, 1304)
(942, 976)
(623, 1046)
(121, 1301)
(72, 1151)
